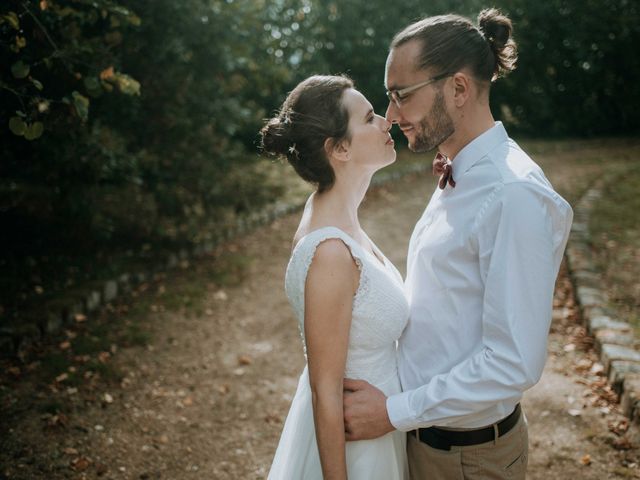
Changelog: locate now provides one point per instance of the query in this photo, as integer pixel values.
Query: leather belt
(445, 439)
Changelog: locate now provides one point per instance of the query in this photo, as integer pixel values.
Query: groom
(481, 266)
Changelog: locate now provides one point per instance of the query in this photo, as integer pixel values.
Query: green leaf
(20, 69)
(127, 85)
(37, 84)
(81, 104)
(17, 126)
(92, 84)
(12, 19)
(34, 131)
(134, 20)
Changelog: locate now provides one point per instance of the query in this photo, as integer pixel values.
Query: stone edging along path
(614, 339)
(17, 339)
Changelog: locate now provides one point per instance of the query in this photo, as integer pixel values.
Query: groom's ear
(336, 149)
(461, 88)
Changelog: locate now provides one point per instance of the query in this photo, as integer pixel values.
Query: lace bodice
(380, 310)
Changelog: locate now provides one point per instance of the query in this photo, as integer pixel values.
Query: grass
(615, 234)
(573, 165)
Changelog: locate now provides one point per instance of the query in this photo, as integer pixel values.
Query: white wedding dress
(380, 313)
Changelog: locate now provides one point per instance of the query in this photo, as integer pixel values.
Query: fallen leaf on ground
(597, 369)
(586, 459)
(244, 360)
(622, 443)
(80, 464)
(619, 427)
(101, 469)
(272, 418)
(59, 420)
(584, 365)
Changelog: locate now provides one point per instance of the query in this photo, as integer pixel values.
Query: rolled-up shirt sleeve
(519, 236)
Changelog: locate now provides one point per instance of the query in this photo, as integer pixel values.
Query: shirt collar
(478, 148)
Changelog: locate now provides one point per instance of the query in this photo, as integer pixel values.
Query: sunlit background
(130, 126)
(129, 140)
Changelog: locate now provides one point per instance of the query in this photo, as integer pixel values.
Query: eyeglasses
(398, 96)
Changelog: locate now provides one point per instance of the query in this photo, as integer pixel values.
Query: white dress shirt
(481, 270)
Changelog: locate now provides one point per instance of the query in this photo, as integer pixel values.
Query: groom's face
(422, 115)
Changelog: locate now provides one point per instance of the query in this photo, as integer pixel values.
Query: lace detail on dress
(379, 312)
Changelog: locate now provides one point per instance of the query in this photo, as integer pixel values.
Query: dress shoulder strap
(307, 245)
(302, 256)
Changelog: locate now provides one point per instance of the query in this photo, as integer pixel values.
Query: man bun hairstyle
(451, 43)
(311, 113)
(497, 30)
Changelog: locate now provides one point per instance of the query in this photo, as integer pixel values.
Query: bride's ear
(337, 149)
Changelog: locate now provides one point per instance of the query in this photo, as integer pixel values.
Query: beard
(428, 137)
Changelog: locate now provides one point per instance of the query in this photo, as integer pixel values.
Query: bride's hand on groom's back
(365, 411)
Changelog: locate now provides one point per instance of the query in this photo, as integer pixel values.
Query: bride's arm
(330, 286)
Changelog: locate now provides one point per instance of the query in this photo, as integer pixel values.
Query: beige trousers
(506, 458)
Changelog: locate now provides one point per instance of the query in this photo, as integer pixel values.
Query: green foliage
(577, 71)
(51, 48)
(128, 123)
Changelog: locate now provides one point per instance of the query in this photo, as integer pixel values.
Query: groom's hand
(365, 411)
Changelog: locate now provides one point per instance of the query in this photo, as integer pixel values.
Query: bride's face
(371, 144)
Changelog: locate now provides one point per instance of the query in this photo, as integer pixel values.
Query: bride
(346, 294)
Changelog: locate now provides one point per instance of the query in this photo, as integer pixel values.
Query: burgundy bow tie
(442, 167)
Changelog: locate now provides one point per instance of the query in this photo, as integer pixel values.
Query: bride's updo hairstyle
(312, 113)
(451, 43)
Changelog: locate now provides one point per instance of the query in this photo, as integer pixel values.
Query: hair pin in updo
(293, 150)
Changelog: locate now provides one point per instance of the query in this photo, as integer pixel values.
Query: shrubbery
(128, 123)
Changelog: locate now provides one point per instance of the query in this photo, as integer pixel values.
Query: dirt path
(207, 397)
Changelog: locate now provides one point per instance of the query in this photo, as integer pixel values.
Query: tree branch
(44, 30)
